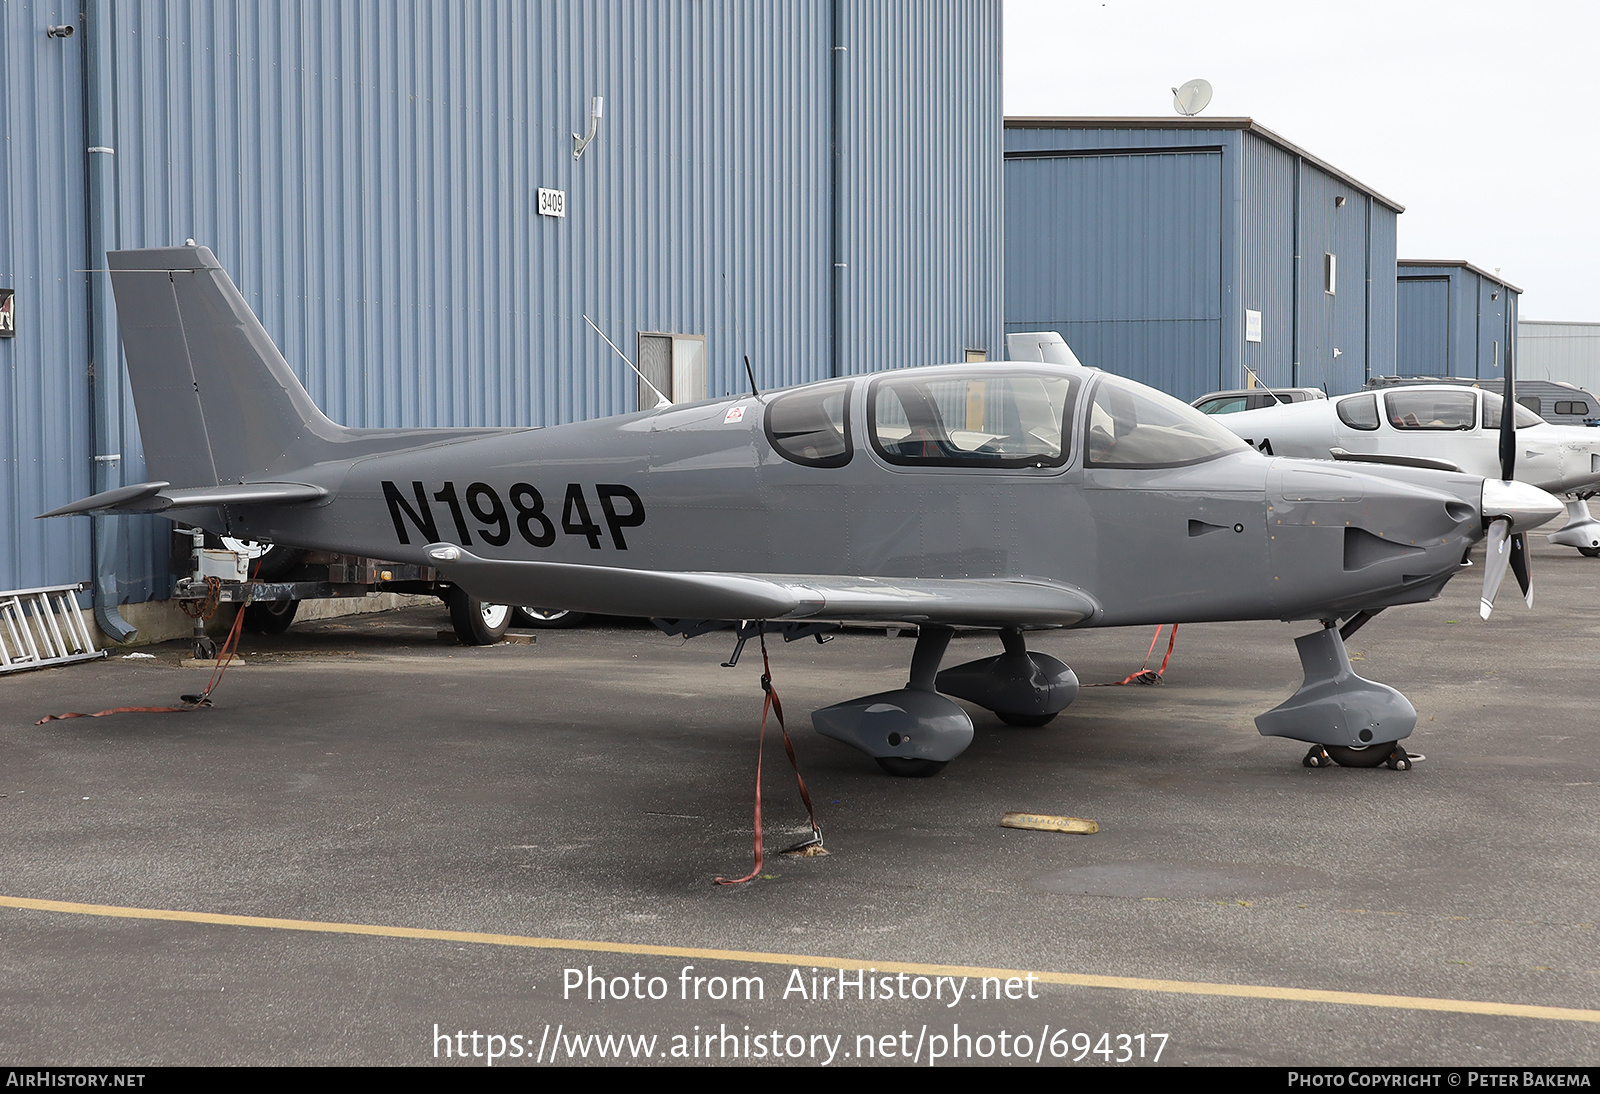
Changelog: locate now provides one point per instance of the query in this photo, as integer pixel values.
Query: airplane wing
(973, 602)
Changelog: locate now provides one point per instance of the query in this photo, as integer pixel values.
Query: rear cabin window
(1359, 412)
(1441, 410)
(985, 419)
(812, 426)
(1224, 406)
(1575, 407)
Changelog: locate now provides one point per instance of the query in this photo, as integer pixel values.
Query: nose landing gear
(1349, 720)
(1392, 756)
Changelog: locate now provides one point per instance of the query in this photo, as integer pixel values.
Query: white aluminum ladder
(40, 627)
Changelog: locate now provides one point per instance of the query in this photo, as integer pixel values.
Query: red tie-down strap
(190, 702)
(1145, 675)
(773, 705)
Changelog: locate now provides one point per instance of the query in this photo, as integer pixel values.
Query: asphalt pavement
(376, 841)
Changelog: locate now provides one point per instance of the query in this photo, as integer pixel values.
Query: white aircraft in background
(1441, 426)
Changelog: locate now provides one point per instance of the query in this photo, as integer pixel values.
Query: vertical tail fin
(217, 402)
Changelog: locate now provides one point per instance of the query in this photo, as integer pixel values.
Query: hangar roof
(1246, 124)
(1461, 264)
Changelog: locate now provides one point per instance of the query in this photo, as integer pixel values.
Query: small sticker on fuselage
(734, 414)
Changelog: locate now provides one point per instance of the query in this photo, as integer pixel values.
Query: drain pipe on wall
(838, 54)
(105, 373)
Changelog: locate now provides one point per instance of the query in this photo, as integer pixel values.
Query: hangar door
(1423, 345)
(1121, 251)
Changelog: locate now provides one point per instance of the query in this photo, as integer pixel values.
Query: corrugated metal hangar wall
(1455, 320)
(817, 184)
(1559, 351)
(1181, 251)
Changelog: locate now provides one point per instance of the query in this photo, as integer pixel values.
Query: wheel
(550, 619)
(268, 561)
(910, 767)
(1589, 552)
(1026, 721)
(476, 623)
(1317, 757)
(270, 616)
(1361, 755)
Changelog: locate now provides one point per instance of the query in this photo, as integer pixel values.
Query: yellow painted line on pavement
(757, 957)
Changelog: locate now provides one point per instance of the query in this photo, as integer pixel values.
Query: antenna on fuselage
(750, 372)
(662, 400)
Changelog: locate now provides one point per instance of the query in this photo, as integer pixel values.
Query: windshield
(1492, 403)
(1131, 425)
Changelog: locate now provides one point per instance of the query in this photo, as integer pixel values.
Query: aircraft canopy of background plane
(1008, 496)
(1443, 426)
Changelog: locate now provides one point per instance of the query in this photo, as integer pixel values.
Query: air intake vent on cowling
(1363, 549)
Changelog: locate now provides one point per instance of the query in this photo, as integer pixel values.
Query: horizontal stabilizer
(156, 497)
(973, 602)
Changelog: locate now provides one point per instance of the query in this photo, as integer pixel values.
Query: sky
(1483, 120)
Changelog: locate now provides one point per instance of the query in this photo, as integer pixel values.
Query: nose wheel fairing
(1335, 707)
(1581, 530)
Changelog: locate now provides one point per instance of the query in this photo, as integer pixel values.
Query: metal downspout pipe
(836, 61)
(1294, 296)
(105, 375)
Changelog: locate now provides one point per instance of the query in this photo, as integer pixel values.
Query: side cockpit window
(812, 426)
(1359, 411)
(985, 419)
(1432, 409)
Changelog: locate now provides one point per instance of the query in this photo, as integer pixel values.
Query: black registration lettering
(529, 504)
(448, 496)
(609, 493)
(421, 516)
(494, 514)
(620, 505)
(584, 526)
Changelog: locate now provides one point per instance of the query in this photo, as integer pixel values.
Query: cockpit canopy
(995, 417)
(990, 418)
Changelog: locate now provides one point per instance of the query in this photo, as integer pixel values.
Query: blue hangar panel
(1122, 253)
(1194, 253)
(816, 183)
(1455, 320)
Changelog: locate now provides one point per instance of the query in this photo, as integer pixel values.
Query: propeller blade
(1522, 566)
(1496, 558)
(1508, 418)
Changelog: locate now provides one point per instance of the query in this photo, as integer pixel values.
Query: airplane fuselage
(704, 488)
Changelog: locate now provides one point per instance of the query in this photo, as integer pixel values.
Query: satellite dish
(1192, 97)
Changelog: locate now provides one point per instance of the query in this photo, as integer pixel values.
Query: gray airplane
(1008, 496)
